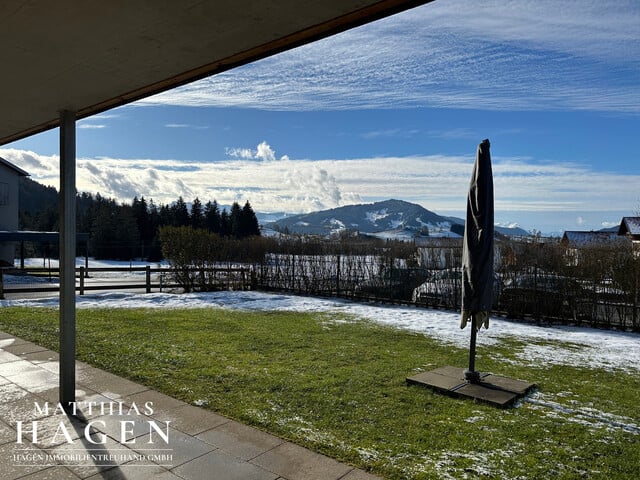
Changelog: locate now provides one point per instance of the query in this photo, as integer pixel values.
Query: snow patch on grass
(582, 414)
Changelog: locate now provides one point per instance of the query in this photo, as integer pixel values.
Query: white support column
(67, 257)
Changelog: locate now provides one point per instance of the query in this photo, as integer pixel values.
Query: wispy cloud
(582, 196)
(514, 55)
(90, 126)
(456, 133)
(390, 133)
(105, 116)
(186, 125)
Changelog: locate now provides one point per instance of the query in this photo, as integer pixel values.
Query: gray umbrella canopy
(477, 250)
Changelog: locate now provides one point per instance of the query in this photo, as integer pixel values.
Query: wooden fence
(362, 277)
(147, 278)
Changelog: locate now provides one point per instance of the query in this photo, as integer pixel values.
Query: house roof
(11, 166)
(87, 57)
(629, 226)
(589, 238)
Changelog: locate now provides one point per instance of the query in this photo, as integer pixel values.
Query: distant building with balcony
(9, 180)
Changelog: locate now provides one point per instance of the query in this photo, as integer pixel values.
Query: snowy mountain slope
(393, 218)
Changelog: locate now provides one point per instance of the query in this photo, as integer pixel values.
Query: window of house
(4, 194)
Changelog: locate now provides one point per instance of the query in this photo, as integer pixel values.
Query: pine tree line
(123, 231)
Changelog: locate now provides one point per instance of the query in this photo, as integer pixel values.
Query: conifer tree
(225, 223)
(180, 213)
(236, 220)
(144, 222)
(197, 215)
(249, 221)
(212, 216)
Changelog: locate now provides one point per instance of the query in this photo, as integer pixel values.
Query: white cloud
(90, 126)
(530, 193)
(454, 54)
(316, 188)
(245, 153)
(186, 125)
(105, 116)
(33, 163)
(263, 152)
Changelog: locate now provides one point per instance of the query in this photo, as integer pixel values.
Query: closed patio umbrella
(477, 252)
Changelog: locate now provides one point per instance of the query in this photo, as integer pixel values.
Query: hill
(387, 219)
(35, 197)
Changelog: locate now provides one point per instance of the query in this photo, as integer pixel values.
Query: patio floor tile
(181, 447)
(191, 420)
(239, 440)
(297, 463)
(225, 467)
(202, 444)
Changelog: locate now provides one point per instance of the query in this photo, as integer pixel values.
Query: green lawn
(338, 387)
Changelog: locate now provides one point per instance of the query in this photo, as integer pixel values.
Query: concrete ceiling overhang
(88, 56)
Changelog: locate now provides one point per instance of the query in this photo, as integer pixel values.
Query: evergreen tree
(197, 215)
(114, 234)
(166, 216)
(85, 212)
(180, 213)
(212, 216)
(102, 236)
(127, 235)
(46, 220)
(140, 212)
(235, 218)
(249, 226)
(155, 250)
(124, 231)
(225, 223)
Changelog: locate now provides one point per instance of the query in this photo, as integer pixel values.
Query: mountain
(387, 219)
(34, 197)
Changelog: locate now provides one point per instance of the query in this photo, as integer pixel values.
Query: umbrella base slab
(491, 389)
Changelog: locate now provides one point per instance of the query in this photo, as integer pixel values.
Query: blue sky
(395, 109)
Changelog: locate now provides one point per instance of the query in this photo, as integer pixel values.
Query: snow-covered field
(543, 345)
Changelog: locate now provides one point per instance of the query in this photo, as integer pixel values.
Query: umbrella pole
(471, 375)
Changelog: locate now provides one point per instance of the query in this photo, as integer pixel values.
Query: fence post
(293, 272)
(338, 276)
(81, 280)
(148, 278)
(1, 285)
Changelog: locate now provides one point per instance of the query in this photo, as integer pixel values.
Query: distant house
(9, 176)
(574, 241)
(630, 228)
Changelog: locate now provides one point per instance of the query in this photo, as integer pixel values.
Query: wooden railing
(145, 278)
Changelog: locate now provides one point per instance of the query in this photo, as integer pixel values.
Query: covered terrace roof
(87, 57)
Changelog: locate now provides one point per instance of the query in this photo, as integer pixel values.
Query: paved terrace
(201, 444)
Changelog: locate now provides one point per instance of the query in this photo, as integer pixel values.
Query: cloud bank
(494, 54)
(573, 194)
